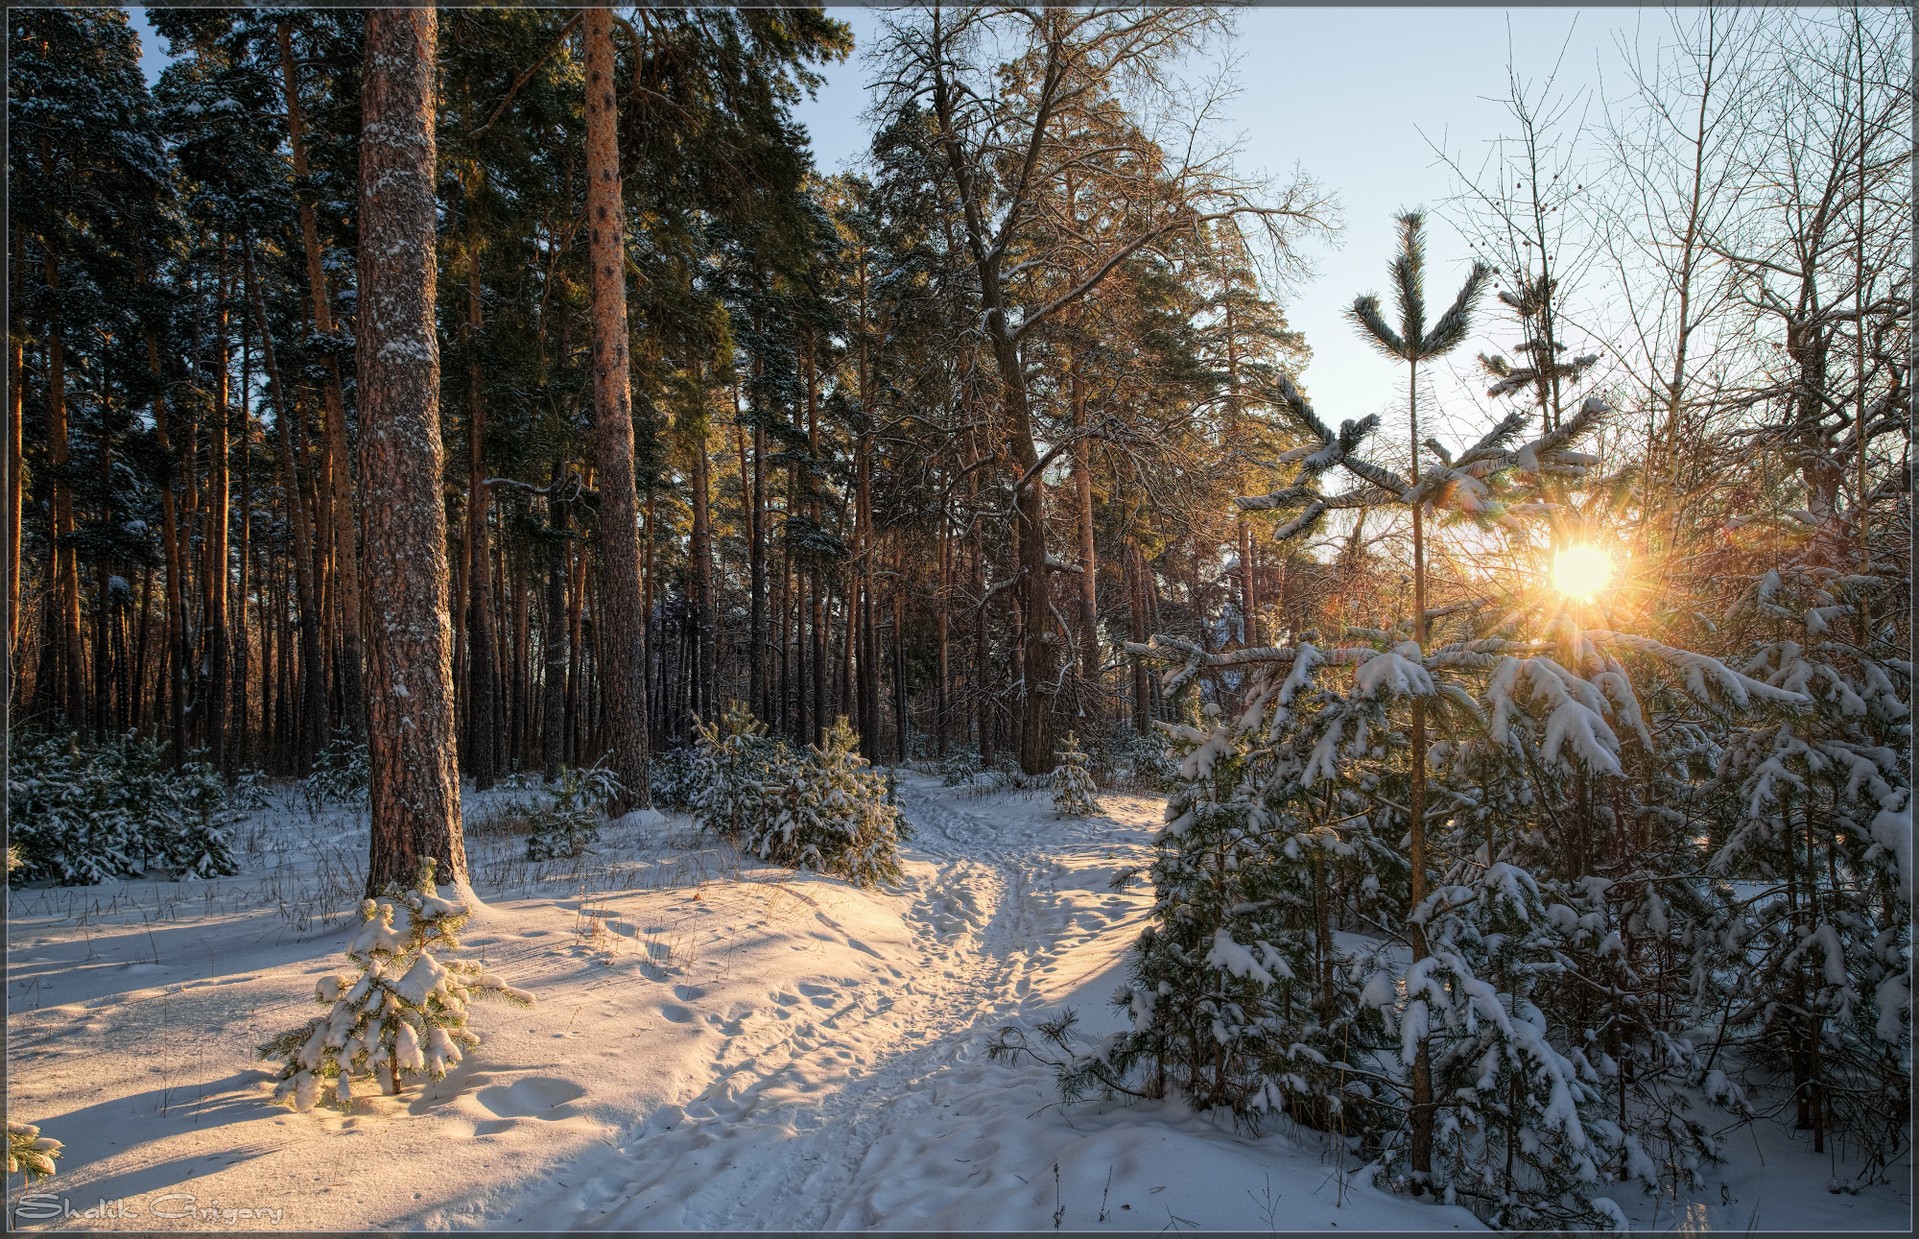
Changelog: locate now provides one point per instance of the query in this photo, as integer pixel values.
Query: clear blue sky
(1344, 94)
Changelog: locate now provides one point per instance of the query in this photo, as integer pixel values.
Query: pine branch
(1451, 329)
(1365, 314)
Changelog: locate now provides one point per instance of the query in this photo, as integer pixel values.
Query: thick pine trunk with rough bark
(621, 616)
(415, 783)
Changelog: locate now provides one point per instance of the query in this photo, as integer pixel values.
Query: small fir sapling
(82, 814)
(405, 1014)
(735, 765)
(29, 1153)
(1074, 794)
(1818, 813)
(566, 827)
(822, 808)
(341, 777)
(834, 815)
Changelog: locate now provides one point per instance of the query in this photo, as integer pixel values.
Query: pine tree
(621, 613)
(403, 1015)
(1818, 813)
(565, 828)
(1074, 793)
(415, 785)
(821, 808)
(29, 1153)
(1413, 343)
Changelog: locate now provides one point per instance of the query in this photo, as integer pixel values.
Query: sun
(1581, 571)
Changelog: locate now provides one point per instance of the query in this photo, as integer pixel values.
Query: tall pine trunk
(310, 732)
(409, 695)
(1089, 653)
(212, 723)
(553, 637)
(621, 617)
(16, 457)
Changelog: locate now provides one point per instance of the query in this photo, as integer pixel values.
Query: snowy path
(714, 1047)
(803, 1129)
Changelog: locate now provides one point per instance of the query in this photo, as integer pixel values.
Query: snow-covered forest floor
(715, 1045)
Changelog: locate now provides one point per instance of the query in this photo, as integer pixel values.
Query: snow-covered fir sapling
(1819, 839)
(29, 1153)
(405, 1013)
(823, 807)
(83, 812)
(1074, 794)
(834, 816)
(564, 828)
(733, 764)
(341, 776)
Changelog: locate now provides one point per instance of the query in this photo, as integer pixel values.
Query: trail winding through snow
(825, 1123)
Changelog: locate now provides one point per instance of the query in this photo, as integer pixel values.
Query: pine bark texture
(621, 618)
(409, 691)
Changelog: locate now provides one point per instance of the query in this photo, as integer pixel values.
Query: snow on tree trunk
(415, 785)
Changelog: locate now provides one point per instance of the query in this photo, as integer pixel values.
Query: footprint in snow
(532, 1097)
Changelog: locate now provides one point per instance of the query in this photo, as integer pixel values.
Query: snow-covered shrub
(83, 814)
(1816, 808)
(821, 808)
(1074, 794)
(341, 777)
(565, 826)
(403, 1015)
(1523, 1131)
(960, 767)
(673, 777)
(1142, 763)
(29, 1153)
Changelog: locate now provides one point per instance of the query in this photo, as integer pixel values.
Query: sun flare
(1581, 571)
